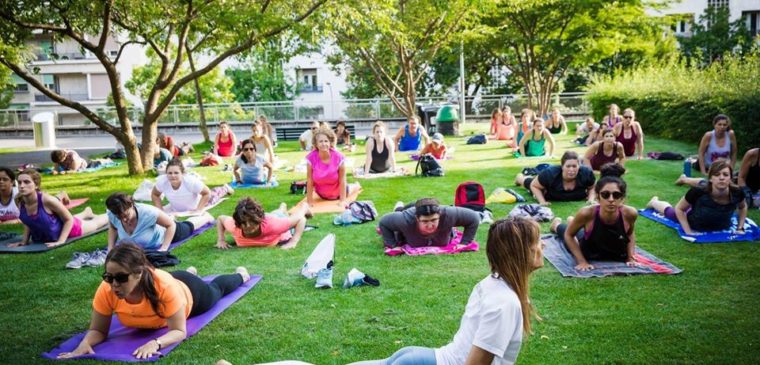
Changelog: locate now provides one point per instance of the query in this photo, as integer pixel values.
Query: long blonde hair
(511, 250)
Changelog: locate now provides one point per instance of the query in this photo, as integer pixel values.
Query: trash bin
(427, 114)
(44, 130)
(447, 120)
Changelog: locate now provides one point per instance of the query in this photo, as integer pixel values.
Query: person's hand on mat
(147, 350)
(82, 349)
(693, 233)
(53, 244)
(632, 263)
(222, 245)
(17, 244)
(584, 267)
(740, 230)
(545, 204)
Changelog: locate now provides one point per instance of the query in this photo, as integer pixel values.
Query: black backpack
(477, 139)
(428, 166)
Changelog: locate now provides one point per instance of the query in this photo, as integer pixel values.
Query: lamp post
(332, 108)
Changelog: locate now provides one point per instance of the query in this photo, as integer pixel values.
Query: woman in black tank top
(749, 174)
(380, 156)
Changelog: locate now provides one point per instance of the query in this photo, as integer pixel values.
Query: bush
(676, 101)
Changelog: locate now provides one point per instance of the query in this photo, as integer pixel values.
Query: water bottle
(687, 167)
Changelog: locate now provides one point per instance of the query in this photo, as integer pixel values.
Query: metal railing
(477, 107)
(75, 97)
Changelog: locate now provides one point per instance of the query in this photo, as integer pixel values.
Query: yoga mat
(205, 209)
(196, 232)
(452, 248)
(272, 184)
(328, 206)
(416, 157)
(752, 232)
(73, 203)
(102, 166)
(9, 237)
(559, 256)
(122, 341)
(40, 247)
(359, 174)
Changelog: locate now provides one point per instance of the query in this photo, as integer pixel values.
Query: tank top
(552, 129)
(610, 122)
(606, 241)
(599, 158)
(261, 149)
(9, 211)
(380, 160)
(409, 142)
(629, 144)
(43, 226)
(535, 148)
(753, 176)
(715, 152)
(505, 131)
(225, 149)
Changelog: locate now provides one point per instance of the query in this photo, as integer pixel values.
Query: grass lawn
(707, 314)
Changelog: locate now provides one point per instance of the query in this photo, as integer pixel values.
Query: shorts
(183, 231)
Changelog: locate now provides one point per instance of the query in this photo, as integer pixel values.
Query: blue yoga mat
(273, 183)
(558, 255)
(752, 232)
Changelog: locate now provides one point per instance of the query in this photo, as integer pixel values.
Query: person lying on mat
(605, 151)
(749, 174)
(428, 223)
(435, 148)
(325, 170)
(67, 161)
(381, 157)
(45, 218)
(586, 132)
(709, 207)
(410, 137)
(533, 144)
(145, 297)
(604, 231)
(630, 135)
(250, 226)
(147, 225)
(8, 191)
(568, 182)
(250, 166)
(556, 122)
(225, 141)
(498, 312)
(261, 140)
(185, 193)
(343, 136)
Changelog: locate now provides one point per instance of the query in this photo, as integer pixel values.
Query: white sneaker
(79, 259)
(97, 258)
(399, 206)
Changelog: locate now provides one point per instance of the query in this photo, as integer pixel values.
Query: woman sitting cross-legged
(185, 193)
(498, 312)
(532, 144)
(46, 220)
(147, 225)
(144, 297)
(604, 231)
(608, 150)
(710, 207)
(568, 182)
(249, 167)
(381, 156)
(249, 226)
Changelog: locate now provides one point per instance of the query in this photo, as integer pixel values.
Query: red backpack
(470, 195)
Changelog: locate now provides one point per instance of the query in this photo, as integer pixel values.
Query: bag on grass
(363, 210)
(470, 194)
(477, 139)
(298, 187)
(428, 166)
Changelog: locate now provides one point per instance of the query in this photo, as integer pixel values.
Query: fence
(285, 111)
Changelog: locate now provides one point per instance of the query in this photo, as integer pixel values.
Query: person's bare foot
(555, 223)
(681, 180)
(653, 201)
(519, 178)
(229, 188)
(283, 207)
(64, 198)
(192, 270)
(243, 273)
(223, 362)
(307, 211)
(87, 213)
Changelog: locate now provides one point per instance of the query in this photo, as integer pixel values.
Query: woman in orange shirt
(144, 297)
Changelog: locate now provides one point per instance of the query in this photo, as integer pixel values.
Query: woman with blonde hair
(325, 169)
(498, 312)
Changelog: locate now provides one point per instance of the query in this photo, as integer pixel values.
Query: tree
(261, 75)
(396, 41)
(6, 88)
(168, 28)
(715, 36)
(541, 40)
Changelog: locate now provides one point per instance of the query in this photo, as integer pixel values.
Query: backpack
(298, 187)
(428, 166)
(470, 194)
(363, 210)
(477, 139)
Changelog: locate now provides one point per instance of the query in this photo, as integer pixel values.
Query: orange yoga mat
(328, 206)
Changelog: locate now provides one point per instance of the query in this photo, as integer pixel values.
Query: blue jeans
(411, 355)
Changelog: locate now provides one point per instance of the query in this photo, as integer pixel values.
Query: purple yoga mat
(196, 232)
(122, 341)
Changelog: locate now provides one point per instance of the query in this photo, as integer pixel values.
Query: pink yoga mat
(73, 203)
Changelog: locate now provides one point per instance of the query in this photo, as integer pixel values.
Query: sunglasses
(615, 194)
(120, 278)
(628, 117)
(248, 149)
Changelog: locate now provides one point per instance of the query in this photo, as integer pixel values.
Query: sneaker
(517, 196)
(399, 206)
(486, 217)
(97, 258)
(324, 278)
(79, 259)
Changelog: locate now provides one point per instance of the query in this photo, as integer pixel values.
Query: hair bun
(612, 169)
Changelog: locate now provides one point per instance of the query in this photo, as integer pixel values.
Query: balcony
(75, 97)
(63, 56)
(311, 88)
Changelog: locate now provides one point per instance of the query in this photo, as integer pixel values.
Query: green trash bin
(447, 120)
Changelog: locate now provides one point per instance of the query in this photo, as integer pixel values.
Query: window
(49, 81)
(21, 88)
(752, 21)
(308, 80)
(717, 3)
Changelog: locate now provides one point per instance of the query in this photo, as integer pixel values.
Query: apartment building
(685, 12)
(320, 87)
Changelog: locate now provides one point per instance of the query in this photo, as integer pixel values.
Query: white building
(686, 12)
(320, 87)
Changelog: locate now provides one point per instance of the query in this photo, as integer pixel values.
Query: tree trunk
(149, 132)
(198, 96)
(135, 165)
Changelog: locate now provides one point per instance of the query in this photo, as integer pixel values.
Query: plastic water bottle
(687, 167)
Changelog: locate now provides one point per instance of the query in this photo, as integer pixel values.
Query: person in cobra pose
(381, 156)
(225, 141)
(605, 151)
(749, 175)
(613, 117)
(720, 143)
(630, 135)
(568, 182)
(526, 123)
(534, 143)
(411, 137)
(556, 123)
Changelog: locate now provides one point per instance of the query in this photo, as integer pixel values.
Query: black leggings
(206, 295)
(183, 230)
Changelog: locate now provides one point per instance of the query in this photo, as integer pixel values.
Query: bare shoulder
(630, 213)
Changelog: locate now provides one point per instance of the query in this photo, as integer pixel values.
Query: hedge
(679, 102)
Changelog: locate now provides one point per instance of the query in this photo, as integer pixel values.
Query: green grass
(707, 314)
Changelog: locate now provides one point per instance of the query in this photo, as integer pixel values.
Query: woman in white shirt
(498, 311)
(185, 193)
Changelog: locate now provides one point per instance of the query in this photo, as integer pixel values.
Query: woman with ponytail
(144, 297)
(498, 311)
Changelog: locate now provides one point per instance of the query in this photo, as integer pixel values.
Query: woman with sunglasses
(498, 311)
(185, 193)
(45, 218)
(608, 150)
(604, 231)
(147, 225)
(427, 223)
(567, 182)
(629, 134)
(250, 166)
(708, 207)
(144, 297)
(325, 170)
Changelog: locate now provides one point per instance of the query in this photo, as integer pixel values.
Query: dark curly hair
(248, 211)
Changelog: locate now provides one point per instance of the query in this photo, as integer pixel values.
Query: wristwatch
(158, 342)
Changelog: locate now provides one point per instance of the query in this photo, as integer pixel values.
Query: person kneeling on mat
(428, 224)
(144, 297)
(249, 225)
